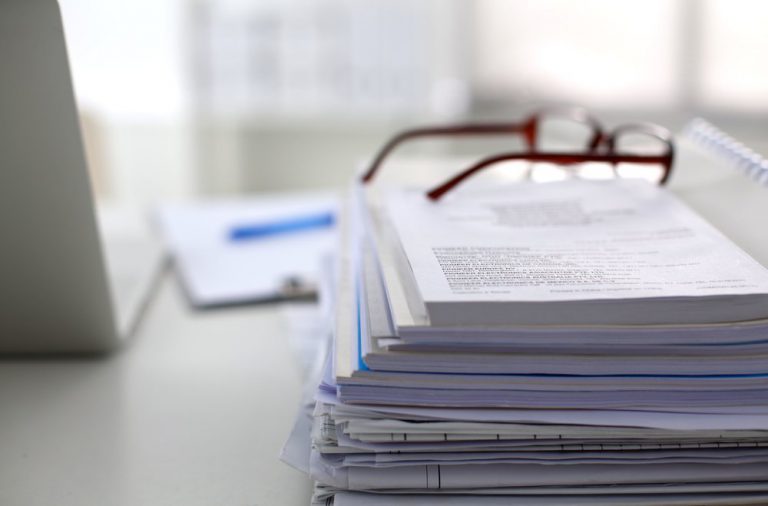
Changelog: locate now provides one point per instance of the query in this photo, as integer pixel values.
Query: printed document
(477, 254)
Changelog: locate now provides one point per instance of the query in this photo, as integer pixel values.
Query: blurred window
(620, 54)
(594, 52)
(734, 51)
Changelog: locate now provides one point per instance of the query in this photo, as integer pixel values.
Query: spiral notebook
(718, 171)
(723, 146)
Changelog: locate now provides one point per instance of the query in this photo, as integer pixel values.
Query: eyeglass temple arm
(561, 158)
(649, 129)
(527, 129)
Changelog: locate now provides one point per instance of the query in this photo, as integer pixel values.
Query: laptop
(56, 295)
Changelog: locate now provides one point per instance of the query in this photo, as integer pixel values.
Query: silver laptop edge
(54, 295)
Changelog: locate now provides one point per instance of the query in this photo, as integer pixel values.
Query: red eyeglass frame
(600, 147)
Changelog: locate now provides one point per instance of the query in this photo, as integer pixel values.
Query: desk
(192, 412)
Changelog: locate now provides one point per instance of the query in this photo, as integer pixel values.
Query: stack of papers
(579, 342)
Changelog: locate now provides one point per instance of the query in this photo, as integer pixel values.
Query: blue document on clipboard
(245, 250)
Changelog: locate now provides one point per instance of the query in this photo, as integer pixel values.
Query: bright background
(197, 97)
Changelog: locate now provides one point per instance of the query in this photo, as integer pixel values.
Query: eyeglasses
(600, 147)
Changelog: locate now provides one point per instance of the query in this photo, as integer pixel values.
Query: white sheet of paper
(633, 233)
(577, 240)
(531, 475)
(681, 419)
(663, 496)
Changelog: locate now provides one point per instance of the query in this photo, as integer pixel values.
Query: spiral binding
(723, 145)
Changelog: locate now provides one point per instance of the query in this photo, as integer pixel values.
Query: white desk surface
(193, 411)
